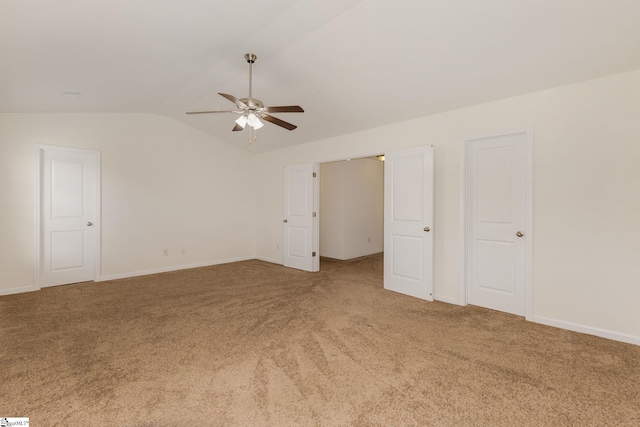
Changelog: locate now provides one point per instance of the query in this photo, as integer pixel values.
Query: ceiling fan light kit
(252, 110)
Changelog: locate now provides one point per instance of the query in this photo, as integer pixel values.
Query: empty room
(292, 213)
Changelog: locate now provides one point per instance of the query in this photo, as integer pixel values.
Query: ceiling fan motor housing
(254, 104)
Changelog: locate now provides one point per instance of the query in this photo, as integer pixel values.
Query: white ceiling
(351, 64)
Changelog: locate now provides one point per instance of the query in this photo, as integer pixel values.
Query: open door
(408, 222)
(301, 245)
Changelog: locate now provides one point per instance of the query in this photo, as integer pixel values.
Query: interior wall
(586, 198)
(351, 208)
(165, 185)
(332, 221)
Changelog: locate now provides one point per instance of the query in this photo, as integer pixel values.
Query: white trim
(98, 222)
(20, 290)
(462, 288)
(37, 214)
(354, 157)
(315, 227)
(529, 221)
(271, 260)
(448, 300)
(357, 256)
(40, 148)
(462, 285)
(589, 330)
(173, 268)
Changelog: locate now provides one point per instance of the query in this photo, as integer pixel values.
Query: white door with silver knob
(68, 243)
(301, 230)
(408, 220)
(497, 209)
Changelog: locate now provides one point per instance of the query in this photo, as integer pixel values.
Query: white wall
(351, 208)
(164, 185)
(586, 237)
(332, 194)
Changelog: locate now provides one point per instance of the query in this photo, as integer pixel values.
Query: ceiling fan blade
(284, 109)
(235, 100)
(279, 122)
(237, 127)
(215, 111)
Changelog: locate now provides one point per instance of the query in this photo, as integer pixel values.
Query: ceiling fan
(252, 109)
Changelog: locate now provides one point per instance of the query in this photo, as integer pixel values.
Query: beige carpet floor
(255, 344)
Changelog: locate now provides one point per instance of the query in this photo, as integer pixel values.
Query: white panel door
(68, 231)
(496, 222)
(301, 219)
(408, 222)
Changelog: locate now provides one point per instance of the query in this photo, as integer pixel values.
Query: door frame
(40, 149)
(316, 195)
(463, 290)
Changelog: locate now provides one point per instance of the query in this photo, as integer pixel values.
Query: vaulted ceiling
(351, 64)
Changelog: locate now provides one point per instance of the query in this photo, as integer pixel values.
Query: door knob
(519, 234)
(427, 229)
(89, 224)
(285, 221)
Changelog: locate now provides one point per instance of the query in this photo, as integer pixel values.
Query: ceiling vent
(71, 94)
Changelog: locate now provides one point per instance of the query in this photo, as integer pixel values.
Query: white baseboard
(352, 257)
(271, 260)
(378, 251)
(589, 330)
(19, 290)
(449, 300)
(168, 269)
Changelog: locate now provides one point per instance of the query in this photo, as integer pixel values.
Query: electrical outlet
(277, 246)
(183, 251)
(165, 252)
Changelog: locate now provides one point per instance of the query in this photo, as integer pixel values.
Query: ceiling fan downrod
(251, 58)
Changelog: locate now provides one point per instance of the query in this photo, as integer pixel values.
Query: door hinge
(313, 214)
(313, 254)
(314, 174)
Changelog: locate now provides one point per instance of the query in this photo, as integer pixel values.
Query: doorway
(351, 208)
(407, 212)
